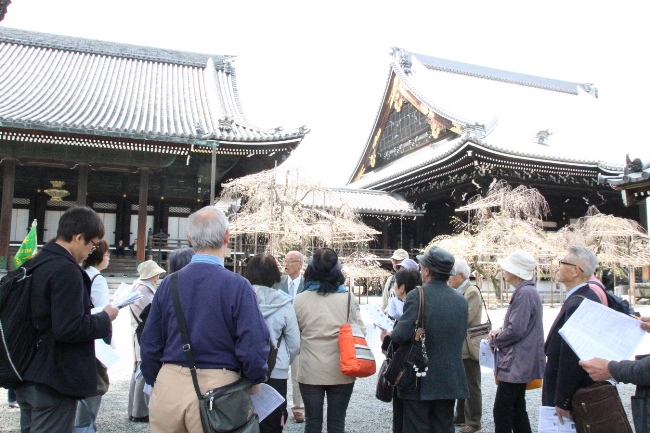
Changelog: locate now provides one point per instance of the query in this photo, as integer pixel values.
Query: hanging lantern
(57, 192)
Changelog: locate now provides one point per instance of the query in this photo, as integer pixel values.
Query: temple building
(446, 131)
(143, 135)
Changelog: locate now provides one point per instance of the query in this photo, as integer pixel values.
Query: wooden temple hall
(446, 131)
(144, 136)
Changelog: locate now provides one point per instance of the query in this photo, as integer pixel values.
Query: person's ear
(226, 237)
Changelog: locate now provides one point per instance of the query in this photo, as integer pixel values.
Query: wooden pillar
(8, 180)
(40, 206)
(142, 214)
(384, 235)
(82, 184)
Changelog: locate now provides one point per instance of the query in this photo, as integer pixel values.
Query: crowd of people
(234, 321)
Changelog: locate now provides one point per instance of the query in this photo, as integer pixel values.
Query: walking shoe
(298, 417)
(13, 404)
(139, 419)
(469, 429)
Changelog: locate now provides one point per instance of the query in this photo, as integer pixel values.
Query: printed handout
(378, 318)
(597, 331)
(550, 423)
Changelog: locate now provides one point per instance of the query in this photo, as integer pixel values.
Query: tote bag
(357, 359)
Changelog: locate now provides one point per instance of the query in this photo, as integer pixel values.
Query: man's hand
(494, 333)
(111, 311)
(255, 389)
(563, 413)
(597, 368)
(645, 323)
(383, 335)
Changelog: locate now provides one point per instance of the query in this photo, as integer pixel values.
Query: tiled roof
(504, 111)
(636, 171)
(447, 151)
(363, 201)
(65, 84)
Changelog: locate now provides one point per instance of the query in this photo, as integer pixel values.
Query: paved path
(366, 414)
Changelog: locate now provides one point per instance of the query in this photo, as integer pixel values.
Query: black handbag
(598, 409)
(227, 409)
(409, 362)
(384, 391)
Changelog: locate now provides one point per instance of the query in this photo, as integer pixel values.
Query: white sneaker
(13, 404)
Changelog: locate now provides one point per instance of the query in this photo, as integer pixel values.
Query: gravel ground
(365, 414)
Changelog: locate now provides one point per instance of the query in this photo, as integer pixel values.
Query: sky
(325, 64)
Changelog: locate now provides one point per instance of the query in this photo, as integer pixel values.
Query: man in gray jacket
(431, 406)
(636, 372)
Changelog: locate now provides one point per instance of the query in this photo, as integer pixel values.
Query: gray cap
(438, 260)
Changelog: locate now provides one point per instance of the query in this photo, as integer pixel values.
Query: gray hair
(207, 228)
(586, 259)
(461, 267)
(298, 253)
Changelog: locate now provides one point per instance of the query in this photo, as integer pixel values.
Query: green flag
(27, 248)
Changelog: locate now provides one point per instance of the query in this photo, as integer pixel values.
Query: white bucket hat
(149, 269)
(519, 263)
(400, 254)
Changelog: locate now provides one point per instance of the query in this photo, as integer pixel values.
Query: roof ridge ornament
(476, 131)
(590, 88)
(225, 123)
(542, 137)
(403, 58)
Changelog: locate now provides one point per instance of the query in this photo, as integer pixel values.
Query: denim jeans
(338, 397)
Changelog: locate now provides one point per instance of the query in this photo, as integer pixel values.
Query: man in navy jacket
(228, 336)
(563, 375)
(63, 369)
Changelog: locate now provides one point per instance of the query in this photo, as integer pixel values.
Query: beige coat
(146, 289)
(475, 317)
(319, 318)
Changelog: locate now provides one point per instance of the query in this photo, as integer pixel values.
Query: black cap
(438, 260)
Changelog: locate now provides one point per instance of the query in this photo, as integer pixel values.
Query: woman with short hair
(262, 272)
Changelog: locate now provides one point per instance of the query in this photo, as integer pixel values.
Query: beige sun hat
(400, 254)
(519, 263)
(149, 269)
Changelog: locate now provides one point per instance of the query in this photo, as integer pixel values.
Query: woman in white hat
(519, 344)
(149, 272)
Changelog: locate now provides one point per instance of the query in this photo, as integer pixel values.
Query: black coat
(563, 375)
(65, 358)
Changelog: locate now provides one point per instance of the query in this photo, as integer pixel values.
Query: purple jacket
(224, 323)
(521, 341)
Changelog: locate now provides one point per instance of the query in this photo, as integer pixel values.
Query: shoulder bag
(477, 333)
(598, 409)
(384, 390)
(227, 409)
(356, 358)
(409, 361)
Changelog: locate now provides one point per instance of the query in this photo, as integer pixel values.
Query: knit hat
(149, 269)
(519, 263)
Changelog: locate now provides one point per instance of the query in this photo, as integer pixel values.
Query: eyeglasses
(94, 245)
(560, 262)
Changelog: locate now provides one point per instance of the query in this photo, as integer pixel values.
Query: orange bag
(357, 359)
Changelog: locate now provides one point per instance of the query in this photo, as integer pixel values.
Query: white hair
(207, 228)
(461, 267)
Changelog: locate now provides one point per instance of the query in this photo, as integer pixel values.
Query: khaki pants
(174, 406)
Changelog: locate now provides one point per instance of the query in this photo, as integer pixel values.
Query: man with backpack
(63, 369)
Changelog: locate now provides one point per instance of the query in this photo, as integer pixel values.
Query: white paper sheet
(105, 353)
(485, 355)
(127, 299)
(550, 423)
(123, 290)
(266, 401)
(596, 331)
(378, 318)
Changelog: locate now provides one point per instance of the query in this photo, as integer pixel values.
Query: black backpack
(141, 321)
(18, 336)
(616, 303)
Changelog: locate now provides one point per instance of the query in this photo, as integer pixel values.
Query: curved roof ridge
(488, 73)
(108, 48)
